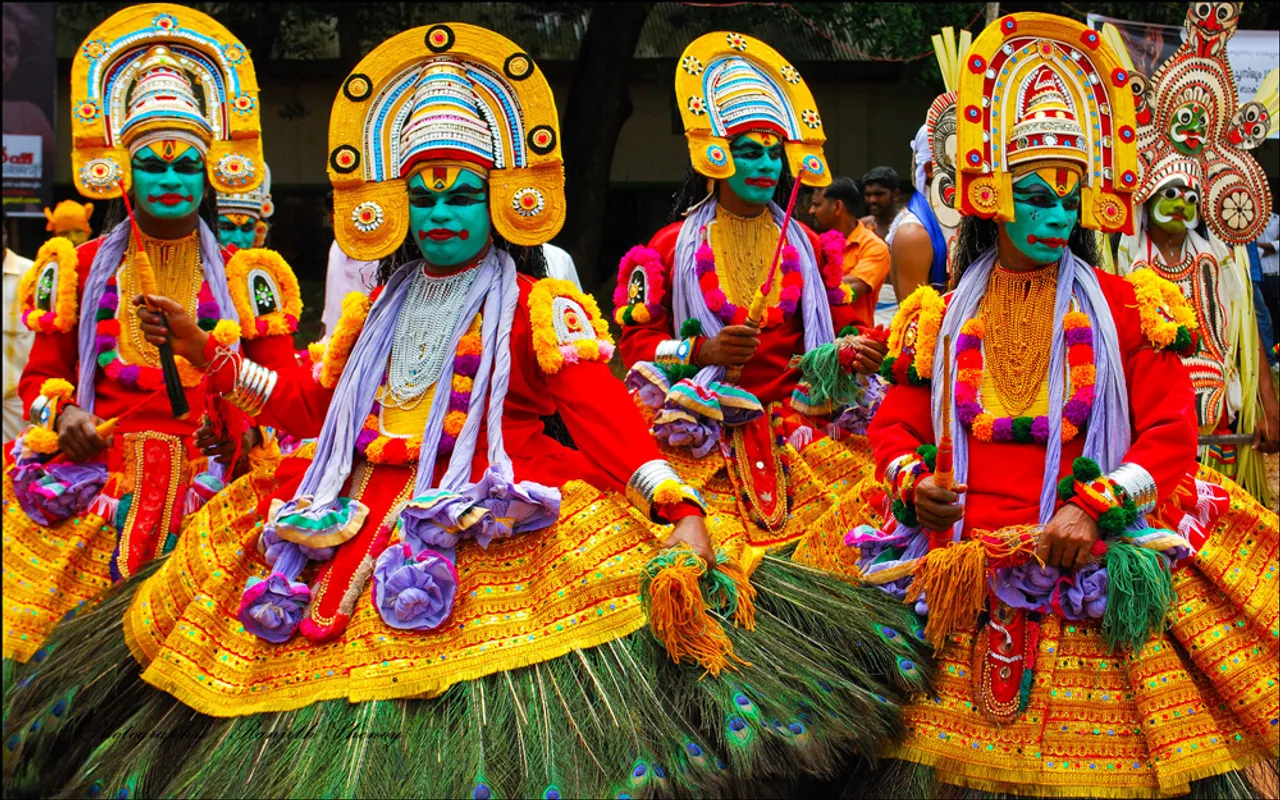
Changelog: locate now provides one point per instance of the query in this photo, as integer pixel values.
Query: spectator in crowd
(560, 265)
(880, 191)
(866, 258)
(919, 254)
(17, 339)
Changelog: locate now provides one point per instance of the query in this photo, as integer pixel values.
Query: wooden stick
(944, 472)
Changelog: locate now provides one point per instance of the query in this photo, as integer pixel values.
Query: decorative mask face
(236, 229)
(168, 179)
(1188, 128)
(757, 166)
(1046, 207)
(1175, 207)
(449, 214)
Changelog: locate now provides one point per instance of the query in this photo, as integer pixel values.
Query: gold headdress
(728, 84)
(454, 92)
(1038, 89)
(257, 203)
(160, 71)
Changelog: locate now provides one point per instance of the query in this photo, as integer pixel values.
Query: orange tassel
(953, 581)
(679, 617)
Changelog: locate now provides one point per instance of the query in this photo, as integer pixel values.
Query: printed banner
(30, 96)
(1251, 54)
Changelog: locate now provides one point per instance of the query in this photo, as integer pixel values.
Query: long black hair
(694, 190)
(977, 235)
(529, 260)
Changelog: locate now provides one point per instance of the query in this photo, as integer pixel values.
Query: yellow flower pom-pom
(226, 331)
(453, 422)
(57, 388)
(984, 427)
(1083, 374)
(40, 440)
(374, 451)
(461, 383)
(639, 314)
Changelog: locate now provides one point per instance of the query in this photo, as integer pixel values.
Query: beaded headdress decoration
(940, 126)
(256, 203)
(1038, 90)
(728, 84)
(1191, 125)
(445, 92)
(155, 72)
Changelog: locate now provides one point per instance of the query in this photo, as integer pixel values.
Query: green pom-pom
(1182, 341)
(678, 372)
(690, 327)
(848, 330)
(905, 513)
(1085, 469)
(913, 377)
(1130, 512)
(103, 313)
(1022, 429)
(886, 369)
(206, 324)
(1112, 521)
(929, 453)
(627, 319)
(1066, 488)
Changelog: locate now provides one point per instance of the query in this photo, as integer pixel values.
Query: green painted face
(757, 166)
(236, 229)
(1188, 127)
(1175, 207)
(168, 188)
(1042, 219)
(449, 214)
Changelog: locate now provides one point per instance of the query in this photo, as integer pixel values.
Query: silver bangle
(253, 387)
(1138, 484)
(674, 351)
(41, 413)
(645, 481)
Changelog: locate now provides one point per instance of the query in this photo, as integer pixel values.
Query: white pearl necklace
(423, 333)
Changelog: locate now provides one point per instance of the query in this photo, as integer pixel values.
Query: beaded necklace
(423, 330)
(388, 448)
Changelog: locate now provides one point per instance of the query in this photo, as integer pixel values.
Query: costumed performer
(765, 413)
(70, 220)
(1105, 615)
(436, 543)
(100, 483)
(1193, 141)
(242, 216)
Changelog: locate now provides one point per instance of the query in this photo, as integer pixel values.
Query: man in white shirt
(560, 265)
(17, 339)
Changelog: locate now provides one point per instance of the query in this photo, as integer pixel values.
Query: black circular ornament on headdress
(542, 139)
(357, 87)
(439, 38)
(344, 159)
(518, 66)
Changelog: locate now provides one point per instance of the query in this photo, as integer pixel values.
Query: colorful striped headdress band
(156, 72)
(1047, 128)
(728, 84)
(447, 92)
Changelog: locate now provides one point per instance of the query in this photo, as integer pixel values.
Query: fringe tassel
(730, 591)
(677, 611)
(954, 581)
(1139, 592)
(828, 381)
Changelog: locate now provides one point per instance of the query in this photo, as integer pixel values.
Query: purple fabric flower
(271, 609)
(880, 550)
(1085, 594)
(967, 341)
(1080, 336)
(968, 412)
(414, 592)
(1002, 429)
(54, 492)
(110, 301)
(1028, 586)
(681, 431)
(1076, 411)
(466, 365)
(491, 508)
(1040, 429)
(273, 549)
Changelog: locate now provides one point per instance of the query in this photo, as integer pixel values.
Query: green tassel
(690, 328)
(1085, 469)
(828, 381)
(1139, 593)
(1024, 689)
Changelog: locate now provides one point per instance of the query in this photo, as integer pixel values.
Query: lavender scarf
(687, 301)
(1108, 435)
(105, 264)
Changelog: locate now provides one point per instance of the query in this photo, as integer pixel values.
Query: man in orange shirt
(866, 257)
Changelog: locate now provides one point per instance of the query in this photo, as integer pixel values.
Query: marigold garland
(730, 314)
(986, 427)
(923, 310)
(552, 353)
(66, 304)
(1168, 320)
(626, 310)
(141, 376)
(355, 310)
(284, 320)
(380, 448)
